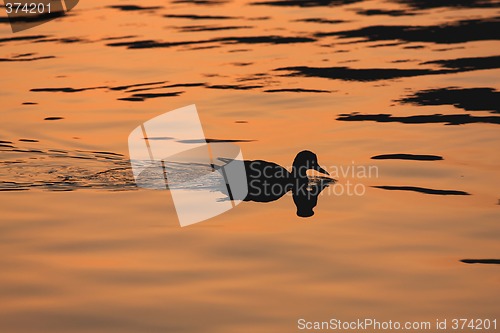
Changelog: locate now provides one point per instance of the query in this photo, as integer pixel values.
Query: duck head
(306, 160)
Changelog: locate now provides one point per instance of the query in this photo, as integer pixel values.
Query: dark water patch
(241, 122)
(352, 74)
(131, 99)
(385, 45)
(467, 64)
(19, 150)
(452, 119)
(66, 40)
(242, 64)
(376, 12)
(33, 18)
(28, 140)
(403, 61)
(422, 190)
(411, 157)
(125, 87)
(254, 77)
(481, 261)
(201, 17)
(455, 32)
(449, 49)
(24, 55)
(159, 138)
(234, 87)
(144, 96)
(26, 59)
(201, 48)
(29, 103)
(297, 90)
(53, 118)
(177, 85)
(118, 37)
(414, 47)
(431, 4)
(80, 157)
(213, 75)
(100, 152)
(201, 2)
(12, 189)
(200, 28)
(306, 3)
(264, 40)
(450, 66)
(66, 89)
(149, 44)
(260, 18)
(214, 141)
(470, 99)
(134, 97)
(157, 95)
(22, 38)
(321, 20)
(128, 8)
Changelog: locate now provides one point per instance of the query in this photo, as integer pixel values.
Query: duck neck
(299, 171)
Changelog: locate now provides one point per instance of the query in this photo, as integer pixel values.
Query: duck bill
(321, 170)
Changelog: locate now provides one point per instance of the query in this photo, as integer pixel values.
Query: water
(84, 250)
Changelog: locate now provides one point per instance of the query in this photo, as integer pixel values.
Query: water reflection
(481, 261)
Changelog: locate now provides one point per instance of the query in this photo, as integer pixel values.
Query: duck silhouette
(268, 181)
(265, 181)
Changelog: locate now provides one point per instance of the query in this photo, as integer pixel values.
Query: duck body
(267, 181)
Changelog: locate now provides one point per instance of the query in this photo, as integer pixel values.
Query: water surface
(407, 86)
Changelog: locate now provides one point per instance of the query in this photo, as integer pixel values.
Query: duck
(268, 181)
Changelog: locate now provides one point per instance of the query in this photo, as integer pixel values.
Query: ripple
(200, 17)
(470, 99)
(26, 59)
(129, 8)
(22, 38)
(411, 157)
(451, 119)
(297, 90)
(145, 96)
(422, 190)
(450, 66)
(201, 28)
(481, 261)
(450, 33)
(431, 4)
(306, 3)
(376, 12)
(150, 44)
